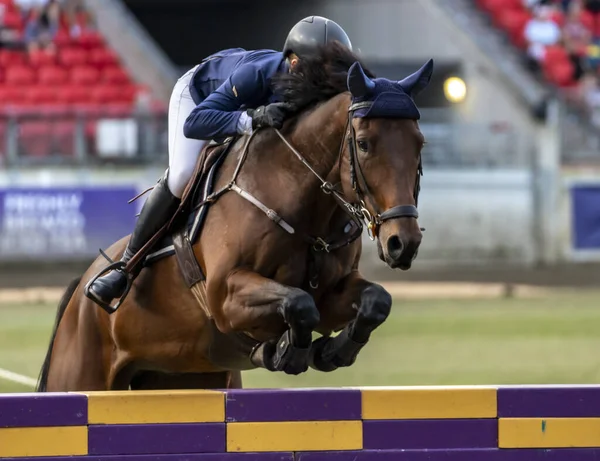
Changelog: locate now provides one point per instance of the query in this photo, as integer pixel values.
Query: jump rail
(461, 423)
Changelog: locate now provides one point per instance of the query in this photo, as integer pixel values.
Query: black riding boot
(158, 209)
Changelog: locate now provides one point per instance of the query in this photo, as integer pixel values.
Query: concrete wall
(471, 217)
(417, 30)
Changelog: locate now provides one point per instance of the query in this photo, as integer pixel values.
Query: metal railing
(142, 139)
(82, 139)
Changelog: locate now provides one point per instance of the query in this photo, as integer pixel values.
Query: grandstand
(86, 109)
(559, 43)
(55, 95)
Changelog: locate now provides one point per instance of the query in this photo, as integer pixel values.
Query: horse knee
(376, 305)
(300, 311)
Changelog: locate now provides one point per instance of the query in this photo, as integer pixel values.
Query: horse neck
(291, 187)
(318, 136)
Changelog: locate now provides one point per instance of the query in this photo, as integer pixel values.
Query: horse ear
(358, 83)
(417, 82)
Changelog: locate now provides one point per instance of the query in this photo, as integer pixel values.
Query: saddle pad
(195, 219)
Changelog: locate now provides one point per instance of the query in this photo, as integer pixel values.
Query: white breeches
(183, 152)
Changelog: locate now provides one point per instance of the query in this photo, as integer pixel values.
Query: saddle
(185, 226)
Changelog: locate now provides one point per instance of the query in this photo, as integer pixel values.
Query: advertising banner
(585, 204)
(63, 223)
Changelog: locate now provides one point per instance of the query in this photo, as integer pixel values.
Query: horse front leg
(367, 305)
(255, 303)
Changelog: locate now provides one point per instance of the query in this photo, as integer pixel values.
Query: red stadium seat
(63, 38)
(10, 5)
(587, 20)
(495, 7)
(40, 95)
(128, 93)
(41, 58)
(52, 75)
(13, 20)
(555, 54)
(558, 17)
(84, 75)
(19, 75)
(105, 94)
(10, 58)
(560, 73)
(90, 39)
(513, 22)
(115, 74)
(73, 95)
(12, 95)
(70, 57)
(102, 57)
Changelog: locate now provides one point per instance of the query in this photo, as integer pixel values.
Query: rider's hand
(270, 115)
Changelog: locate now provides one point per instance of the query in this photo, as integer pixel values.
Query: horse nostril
(395, 246)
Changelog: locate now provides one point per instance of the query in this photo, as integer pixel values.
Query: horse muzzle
(399, 236)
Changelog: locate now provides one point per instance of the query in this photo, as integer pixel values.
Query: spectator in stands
(577, 39)
(566, 5)
(73, 10)
(591, 97)
(541, 31)
(42, 26)
(27, 5)
(575, 35)
(10, 37)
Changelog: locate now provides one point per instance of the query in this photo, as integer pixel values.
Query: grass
(552, 339)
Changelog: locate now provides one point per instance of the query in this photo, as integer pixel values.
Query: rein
(358, 213)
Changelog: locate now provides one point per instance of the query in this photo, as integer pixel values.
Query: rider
(228, 93)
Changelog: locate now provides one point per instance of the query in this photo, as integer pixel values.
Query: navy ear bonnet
(383, 98)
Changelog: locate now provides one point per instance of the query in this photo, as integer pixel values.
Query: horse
(278, 253)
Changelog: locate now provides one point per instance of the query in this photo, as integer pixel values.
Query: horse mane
(318, 77)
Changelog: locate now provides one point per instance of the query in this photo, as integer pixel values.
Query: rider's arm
(219, 115)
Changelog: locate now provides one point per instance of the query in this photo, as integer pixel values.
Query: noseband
(359, 184)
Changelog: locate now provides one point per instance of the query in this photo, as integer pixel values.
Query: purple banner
(585, 202)
(53, 223)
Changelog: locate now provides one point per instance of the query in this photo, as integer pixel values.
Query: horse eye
(363, 145)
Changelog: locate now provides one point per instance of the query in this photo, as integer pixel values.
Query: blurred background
(505, 287)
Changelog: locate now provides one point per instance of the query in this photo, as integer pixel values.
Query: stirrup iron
(118, 265)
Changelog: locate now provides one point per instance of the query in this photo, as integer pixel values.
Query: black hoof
(288, 358)
(316, 360)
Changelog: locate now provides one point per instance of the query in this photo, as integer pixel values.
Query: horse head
(384, 165)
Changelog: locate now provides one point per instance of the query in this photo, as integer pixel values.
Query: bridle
(375, 219)
(359, 213)
(359, 184)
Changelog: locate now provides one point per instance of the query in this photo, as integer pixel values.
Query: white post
(546, 186)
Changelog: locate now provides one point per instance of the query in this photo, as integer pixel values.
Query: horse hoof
(315, 358)
(288, 358)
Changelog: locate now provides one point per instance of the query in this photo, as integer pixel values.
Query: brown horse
(352, 153)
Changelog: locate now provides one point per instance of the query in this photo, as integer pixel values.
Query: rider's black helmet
(311, 32)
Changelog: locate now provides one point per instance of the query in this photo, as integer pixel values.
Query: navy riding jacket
(227, 83)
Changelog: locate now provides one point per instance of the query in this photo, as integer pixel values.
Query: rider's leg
(165, 197)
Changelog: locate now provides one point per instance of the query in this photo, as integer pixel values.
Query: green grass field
(548, 340)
